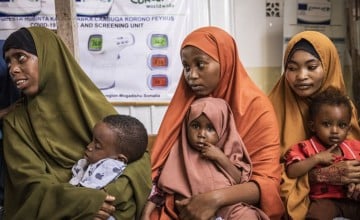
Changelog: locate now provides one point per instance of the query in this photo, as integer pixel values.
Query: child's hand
(211, 152)
(327, 156)
(148, 208)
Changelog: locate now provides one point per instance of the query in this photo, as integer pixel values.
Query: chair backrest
(151, 140)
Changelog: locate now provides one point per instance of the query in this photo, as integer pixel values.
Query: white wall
(259, 36)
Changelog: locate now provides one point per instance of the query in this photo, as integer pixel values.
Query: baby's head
(207, 120)
(330, 114)
(119, 137)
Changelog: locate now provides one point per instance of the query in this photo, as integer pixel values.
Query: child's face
(201, 131)
(331, 124)
(103, 144)
(304, 73)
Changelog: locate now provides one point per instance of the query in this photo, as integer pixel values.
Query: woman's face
(201, 72)
(304, 73)
(24, 70)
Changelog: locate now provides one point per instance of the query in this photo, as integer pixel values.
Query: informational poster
(129, 48)
(325, 16)
(314, 12)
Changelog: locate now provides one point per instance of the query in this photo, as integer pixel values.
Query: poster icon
(158, 61)
(20, 7)
(93, 7)
(158, 41)
(158, 81)
(314, 12)
(103, 56)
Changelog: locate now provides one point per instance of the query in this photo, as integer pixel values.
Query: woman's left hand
(106, 209)
(353, 191)
(199, 207)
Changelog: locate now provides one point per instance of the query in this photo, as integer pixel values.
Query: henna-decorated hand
(353, 191)
(341, 173)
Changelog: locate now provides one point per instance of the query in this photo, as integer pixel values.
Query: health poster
(129, 48)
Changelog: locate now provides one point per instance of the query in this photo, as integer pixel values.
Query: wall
(259, 33)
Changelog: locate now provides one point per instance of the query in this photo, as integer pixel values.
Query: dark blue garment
(8, 95)
(8, 91)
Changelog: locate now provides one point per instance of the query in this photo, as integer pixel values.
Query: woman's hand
(106, 209)
(199, 207)
(149, 207)
(353, 191)
(341, 173)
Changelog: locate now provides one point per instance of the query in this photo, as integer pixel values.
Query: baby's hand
(211, 152)
(326, 157)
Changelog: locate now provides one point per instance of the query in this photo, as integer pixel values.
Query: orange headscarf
(254, 115)
(292, 114)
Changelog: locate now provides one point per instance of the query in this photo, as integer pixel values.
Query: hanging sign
(130, 49)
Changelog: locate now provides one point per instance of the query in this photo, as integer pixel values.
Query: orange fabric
(292, 114)
(254, 116)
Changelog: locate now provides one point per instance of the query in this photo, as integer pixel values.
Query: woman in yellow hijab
(49, 131)
(311, 65)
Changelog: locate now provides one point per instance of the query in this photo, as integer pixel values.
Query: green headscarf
(48, 134)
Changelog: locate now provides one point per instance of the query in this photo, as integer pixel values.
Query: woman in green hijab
(48, 133)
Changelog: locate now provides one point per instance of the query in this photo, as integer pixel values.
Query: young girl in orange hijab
(209, 156)
(312, 65)
(212, 68)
